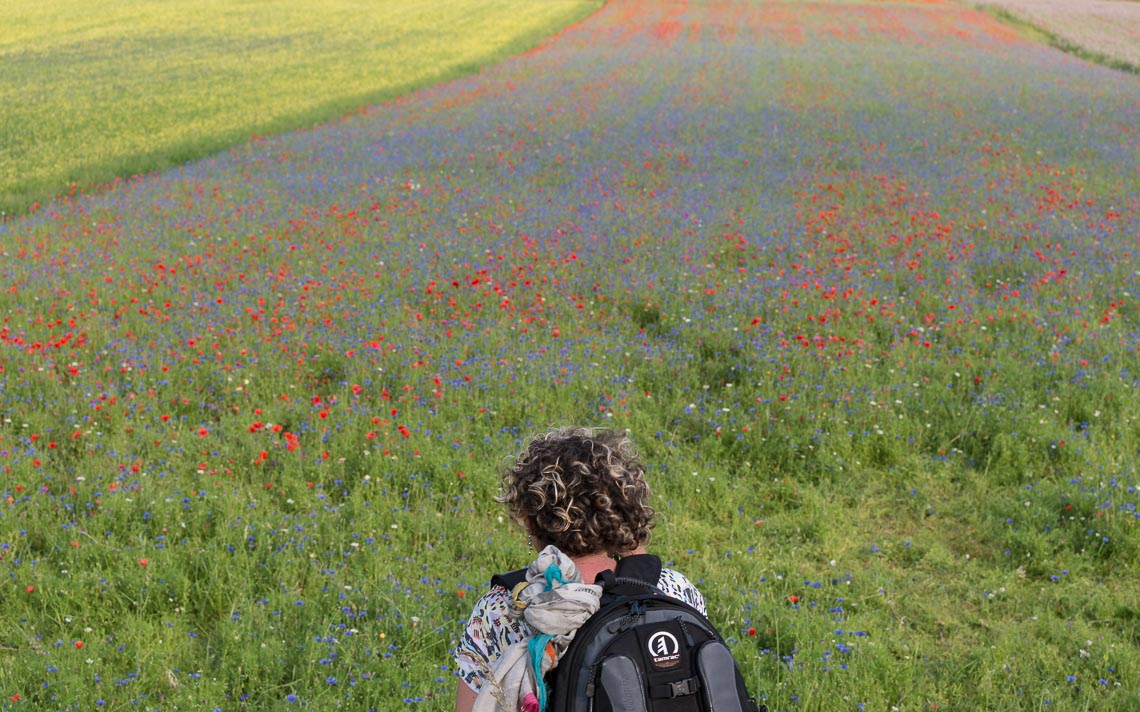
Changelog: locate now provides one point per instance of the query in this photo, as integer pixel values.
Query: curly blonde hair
(582, 490)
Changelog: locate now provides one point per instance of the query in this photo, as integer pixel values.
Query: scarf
(554, 603)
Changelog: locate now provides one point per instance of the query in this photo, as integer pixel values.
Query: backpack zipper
(685, 629)
(591, 686)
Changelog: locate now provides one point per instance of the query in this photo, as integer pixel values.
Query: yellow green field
(108, 88)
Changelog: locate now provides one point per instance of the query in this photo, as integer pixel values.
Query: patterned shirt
(491, 629)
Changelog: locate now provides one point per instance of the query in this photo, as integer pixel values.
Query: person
(583, 491)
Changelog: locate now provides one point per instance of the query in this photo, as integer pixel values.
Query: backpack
(643, 651)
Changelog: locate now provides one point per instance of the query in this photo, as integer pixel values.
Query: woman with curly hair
(582, 491)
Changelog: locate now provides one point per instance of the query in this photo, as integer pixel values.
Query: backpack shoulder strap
(639, 572)
(510, 579)
(633, 575)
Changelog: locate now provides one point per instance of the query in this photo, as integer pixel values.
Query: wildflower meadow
(859, 277)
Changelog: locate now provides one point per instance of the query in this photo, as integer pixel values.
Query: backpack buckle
(669, 690)
(684, 687)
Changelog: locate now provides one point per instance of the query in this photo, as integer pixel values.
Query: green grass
(94, 91)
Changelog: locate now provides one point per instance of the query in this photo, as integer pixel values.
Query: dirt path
(1109, 28)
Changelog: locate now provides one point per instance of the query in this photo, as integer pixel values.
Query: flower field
(859, 277)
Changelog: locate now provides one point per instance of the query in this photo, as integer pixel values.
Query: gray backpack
(644, 651)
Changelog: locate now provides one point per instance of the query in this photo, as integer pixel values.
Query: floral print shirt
(491, 629)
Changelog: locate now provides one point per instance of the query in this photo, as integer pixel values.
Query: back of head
(582, 490)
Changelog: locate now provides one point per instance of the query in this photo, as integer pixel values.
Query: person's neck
(590, 565)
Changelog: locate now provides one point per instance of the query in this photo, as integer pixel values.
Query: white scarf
(555, 609)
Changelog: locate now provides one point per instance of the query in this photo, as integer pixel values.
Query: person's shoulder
(495, 598)
(671, 578)
(675, 584)
(491, 626)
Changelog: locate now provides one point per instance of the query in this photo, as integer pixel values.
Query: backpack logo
(664, 650)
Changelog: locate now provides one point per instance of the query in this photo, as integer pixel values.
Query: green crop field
(92, 91)
(860, 278)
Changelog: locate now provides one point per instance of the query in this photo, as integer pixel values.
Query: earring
(530, 541)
